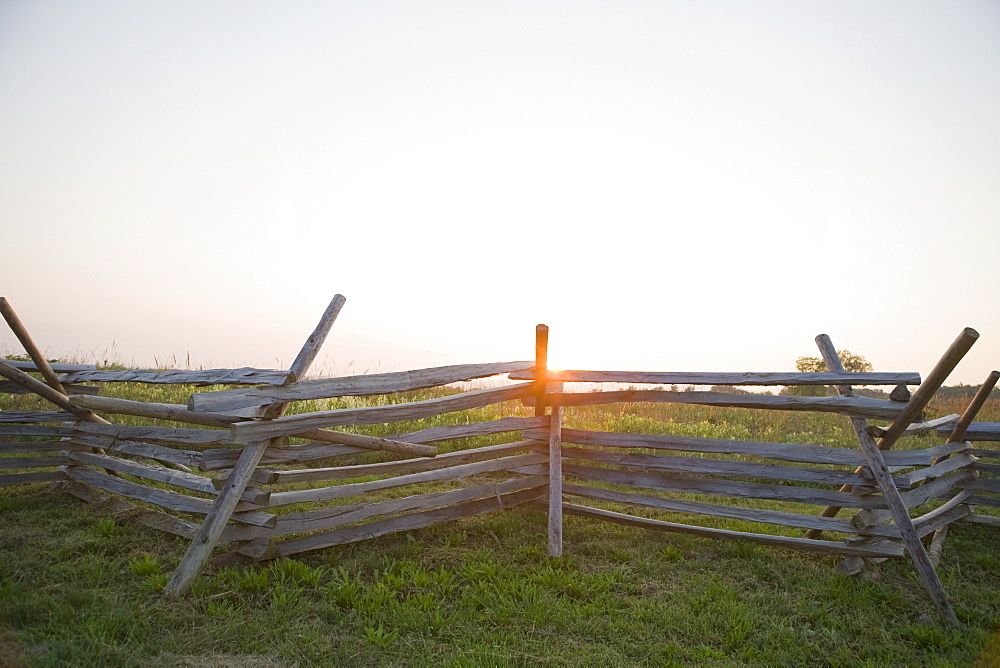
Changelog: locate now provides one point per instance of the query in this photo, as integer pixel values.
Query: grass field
(78, 585)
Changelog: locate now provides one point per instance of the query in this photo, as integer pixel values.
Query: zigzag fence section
(241, 472)
(984, 489)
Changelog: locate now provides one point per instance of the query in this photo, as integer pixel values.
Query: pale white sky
(669, 185)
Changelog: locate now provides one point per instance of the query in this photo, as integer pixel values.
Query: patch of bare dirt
(12, 653)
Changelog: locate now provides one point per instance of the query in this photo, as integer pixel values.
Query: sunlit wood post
(555, 439)
(541, 367)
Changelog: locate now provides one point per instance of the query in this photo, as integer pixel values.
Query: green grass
(80, 586)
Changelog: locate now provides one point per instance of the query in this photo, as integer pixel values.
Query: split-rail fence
(233, 476)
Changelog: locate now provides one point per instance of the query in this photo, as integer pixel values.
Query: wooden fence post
(925, 392)
(915, 406)
(555, 479)
(29, 346)
(215, 522)
(555, 440)
(958, 433)
(876, 464)
(541, 367)
(48, 393)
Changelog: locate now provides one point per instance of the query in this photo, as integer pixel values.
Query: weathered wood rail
(233, 476)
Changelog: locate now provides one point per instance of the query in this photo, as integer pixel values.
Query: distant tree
(852, 363)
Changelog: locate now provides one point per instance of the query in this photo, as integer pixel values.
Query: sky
(670, 186)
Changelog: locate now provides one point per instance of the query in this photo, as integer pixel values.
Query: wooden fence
(236, 478)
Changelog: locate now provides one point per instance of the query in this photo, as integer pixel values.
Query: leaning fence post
(222, 509)
(925, 392)
(890, 494)
(48, 393)
(21, 332)
(915, 406)
(958, 433)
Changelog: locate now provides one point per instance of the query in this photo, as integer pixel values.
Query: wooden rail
(58, 367)
(864, 407)
(354, 386)
(244, 432)
(243, 376)
(749, 378)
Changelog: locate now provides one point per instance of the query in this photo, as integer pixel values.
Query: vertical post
(222, 509)
(555, 479)
(555, 440)
(541, 367)
(29, 346)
